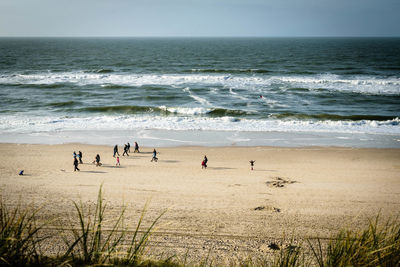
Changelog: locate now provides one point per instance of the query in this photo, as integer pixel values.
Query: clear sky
(200, 18)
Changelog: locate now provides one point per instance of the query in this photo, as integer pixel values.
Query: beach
(319, 116)
(228, 209)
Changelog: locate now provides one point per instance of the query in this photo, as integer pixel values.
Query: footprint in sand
(278, 182)
(269, 208)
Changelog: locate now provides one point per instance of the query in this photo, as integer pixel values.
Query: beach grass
(375, 246)
(19, 239)
(91, 245)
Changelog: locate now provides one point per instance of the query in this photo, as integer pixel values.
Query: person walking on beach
(97, 159)
(204, 163)
(76, 163)
(116, 150)
(136, 148)
(252, 163)
(125, 151)
(118, 164)
(74, 154)
(154, 156)
(80, 157)
(129, 147)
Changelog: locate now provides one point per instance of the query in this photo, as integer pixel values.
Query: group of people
(76, 162)
(97, 158)
(126, 150)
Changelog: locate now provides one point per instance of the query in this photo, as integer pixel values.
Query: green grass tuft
(374, 246)
(19, 240)
(92, 245)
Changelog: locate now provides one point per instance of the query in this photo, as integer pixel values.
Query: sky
(200, 18)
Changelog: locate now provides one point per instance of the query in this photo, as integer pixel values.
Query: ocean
(201, 91)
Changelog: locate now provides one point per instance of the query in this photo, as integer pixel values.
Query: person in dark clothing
(80, 157)
(125, 151)
(116, 150)
(252, 163)
(74, 154)
(136, 148)
(205, 161)
(154, 156)
(98, 160)
(76, 163)
(129, 147)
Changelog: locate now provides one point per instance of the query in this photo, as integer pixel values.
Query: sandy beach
(226, 208)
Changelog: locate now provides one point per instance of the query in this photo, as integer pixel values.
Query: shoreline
(178, 138)
(120, 146)
(303, 192)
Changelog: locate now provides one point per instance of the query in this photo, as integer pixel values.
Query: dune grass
(19, 239)
(90, 244)
(374, 246)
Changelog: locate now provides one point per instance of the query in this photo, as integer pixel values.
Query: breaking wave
(357, 84)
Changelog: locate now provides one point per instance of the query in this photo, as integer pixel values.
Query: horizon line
(205, 36)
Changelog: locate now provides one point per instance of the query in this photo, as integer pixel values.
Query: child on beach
(203, 165)
(119, 164)
(252, 163)
(154, 156)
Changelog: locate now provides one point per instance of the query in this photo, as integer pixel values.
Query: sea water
(201, 91)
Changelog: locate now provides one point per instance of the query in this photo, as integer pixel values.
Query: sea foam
(357, 84)
(14, 123)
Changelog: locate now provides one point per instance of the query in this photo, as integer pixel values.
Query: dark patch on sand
(279, 182)
(273, 246)
(277, 209)
(268, 208)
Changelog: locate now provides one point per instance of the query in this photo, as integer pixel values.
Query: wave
(161, 110)
(186, 110)
(357, 84)
(100, 71)
(221, 112)
(115, 86)
(122, 109)
(228, 71)
(44, 86)
(62, 104)
(197, 98)
(332, 117)
(16, 123)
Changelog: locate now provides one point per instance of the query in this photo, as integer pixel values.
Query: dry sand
(292, 192)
